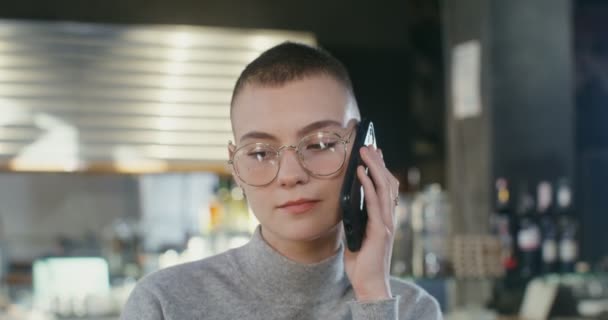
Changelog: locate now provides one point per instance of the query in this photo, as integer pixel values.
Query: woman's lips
(299, 207)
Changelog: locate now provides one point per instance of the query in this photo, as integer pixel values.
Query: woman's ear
(235, 178)
(231, 149)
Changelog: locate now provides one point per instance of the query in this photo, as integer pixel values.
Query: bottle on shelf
(568, 228)
(503, 226)
(548, 227)
(528, 235)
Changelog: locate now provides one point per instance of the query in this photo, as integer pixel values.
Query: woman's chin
(306, 231)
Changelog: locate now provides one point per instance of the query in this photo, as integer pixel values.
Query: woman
(293, 113)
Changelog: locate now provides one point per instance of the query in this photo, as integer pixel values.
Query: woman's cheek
(259, 208)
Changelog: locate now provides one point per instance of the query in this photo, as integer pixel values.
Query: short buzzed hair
(290, 61)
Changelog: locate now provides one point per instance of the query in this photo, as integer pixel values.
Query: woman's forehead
(287, 110)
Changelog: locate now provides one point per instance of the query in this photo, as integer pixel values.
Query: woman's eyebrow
(318, 125)
(307, 129)
(258, 135)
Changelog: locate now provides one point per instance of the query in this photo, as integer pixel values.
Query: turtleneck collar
(275, 276)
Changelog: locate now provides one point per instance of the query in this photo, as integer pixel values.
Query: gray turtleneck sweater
(256, 282)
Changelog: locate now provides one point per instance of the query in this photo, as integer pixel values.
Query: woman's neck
(306, 252)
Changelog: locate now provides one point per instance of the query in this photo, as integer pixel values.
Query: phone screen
(354, 210)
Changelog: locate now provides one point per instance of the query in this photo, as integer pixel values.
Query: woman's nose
(291, 171)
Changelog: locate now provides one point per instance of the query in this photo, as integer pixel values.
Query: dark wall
(532, 89)
(382, 84)
(591, 53)
(338, 23)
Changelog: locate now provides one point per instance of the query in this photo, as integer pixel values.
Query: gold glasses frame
(344, 140)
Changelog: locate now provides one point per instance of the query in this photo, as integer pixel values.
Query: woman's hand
(369, 269)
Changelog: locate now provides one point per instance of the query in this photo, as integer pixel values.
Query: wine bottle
(528, 235)
(568, 228)
(548, 227)
(503, 227)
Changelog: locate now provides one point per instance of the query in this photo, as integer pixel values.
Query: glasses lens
(323, 153)
(256, 164)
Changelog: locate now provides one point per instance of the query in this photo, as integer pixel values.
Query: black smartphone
(352, 197)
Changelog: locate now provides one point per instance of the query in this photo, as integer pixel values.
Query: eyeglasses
(320, 154)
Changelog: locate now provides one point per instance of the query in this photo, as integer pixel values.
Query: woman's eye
(261, 154)
(321, 145)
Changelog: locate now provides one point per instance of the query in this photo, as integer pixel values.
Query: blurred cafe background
(114, 119)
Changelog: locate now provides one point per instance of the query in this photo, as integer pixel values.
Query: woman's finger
(393, 182)
(371, 197)
(381, 183)
(373, 162)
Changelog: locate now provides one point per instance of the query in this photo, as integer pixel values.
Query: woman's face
(280, 116)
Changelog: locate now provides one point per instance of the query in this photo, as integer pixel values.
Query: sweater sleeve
(142, 304)
(386, 309)
(426, 308)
